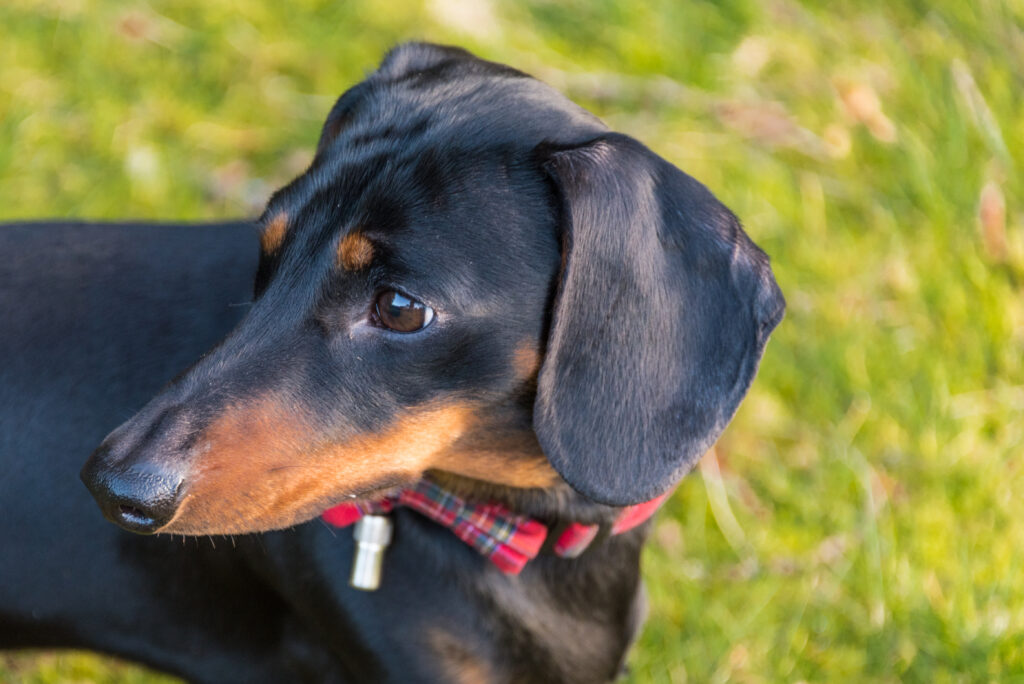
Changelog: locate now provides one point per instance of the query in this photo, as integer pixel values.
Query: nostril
(134, 516)
(142, 497)
(144, 510)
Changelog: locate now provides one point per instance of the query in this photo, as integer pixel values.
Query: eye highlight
(395, 311)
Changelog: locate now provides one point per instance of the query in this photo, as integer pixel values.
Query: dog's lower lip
(377, 491)
(372, 493)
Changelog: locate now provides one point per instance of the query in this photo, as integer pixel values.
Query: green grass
(861, 519)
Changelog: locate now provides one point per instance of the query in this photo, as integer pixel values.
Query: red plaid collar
(509, 540)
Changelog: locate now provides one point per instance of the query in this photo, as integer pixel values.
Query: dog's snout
(137, 474)
(141, 498)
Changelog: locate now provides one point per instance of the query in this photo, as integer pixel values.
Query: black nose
(141, 497)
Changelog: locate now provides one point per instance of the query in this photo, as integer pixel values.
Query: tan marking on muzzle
(504, 456)
(262, 466)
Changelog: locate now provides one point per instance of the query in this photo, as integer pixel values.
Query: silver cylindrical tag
(372, 534)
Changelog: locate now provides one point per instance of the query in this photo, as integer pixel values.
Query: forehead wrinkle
(329, 198)
(296, 289)
(308, 265)
(350, 165)
(349, 189)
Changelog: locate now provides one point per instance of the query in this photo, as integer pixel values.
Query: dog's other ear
(341, 114)
(659, 322)
(409, 58)
(400, 62)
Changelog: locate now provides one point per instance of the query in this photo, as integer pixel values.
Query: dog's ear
(659, 321)
(341, 114)
(409, 58)
(400, 62)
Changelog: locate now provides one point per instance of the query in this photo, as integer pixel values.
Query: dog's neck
(595, 605)
(550, 505)
(562, 619)
(500, 460)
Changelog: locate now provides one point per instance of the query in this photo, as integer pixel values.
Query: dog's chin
(194, 519)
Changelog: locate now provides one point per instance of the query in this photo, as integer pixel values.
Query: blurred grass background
(861, 519)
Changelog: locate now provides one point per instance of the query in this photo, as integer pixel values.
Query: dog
(480, 319)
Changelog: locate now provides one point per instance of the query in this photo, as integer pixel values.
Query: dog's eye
(402, 314)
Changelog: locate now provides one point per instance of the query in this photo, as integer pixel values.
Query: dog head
(473, 276)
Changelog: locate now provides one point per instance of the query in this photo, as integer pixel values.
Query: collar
(509, 540)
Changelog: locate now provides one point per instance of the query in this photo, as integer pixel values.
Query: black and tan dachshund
(475, 282)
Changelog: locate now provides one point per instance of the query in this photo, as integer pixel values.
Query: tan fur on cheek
(512, 458)
(261, 466)
(273, 235)
(355, 251)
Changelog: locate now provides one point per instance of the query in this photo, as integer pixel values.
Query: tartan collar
(508, 539)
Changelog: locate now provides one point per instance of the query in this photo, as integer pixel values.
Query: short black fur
(591, 300)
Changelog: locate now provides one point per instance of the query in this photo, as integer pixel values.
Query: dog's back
(95, 319)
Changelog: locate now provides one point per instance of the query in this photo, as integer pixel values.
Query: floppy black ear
(661, 316)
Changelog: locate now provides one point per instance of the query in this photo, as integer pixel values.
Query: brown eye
(402, 314)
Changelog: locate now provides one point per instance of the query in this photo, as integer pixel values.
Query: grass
(860, 520)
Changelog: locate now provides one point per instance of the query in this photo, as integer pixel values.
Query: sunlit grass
(861, 519)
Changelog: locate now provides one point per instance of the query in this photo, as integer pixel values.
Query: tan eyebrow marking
(355, 251)
(273, 235)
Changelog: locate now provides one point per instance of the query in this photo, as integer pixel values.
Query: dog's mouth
(387, 487)
(262, 466)
(202, 514)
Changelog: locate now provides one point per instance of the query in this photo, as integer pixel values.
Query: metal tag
(372, 534)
